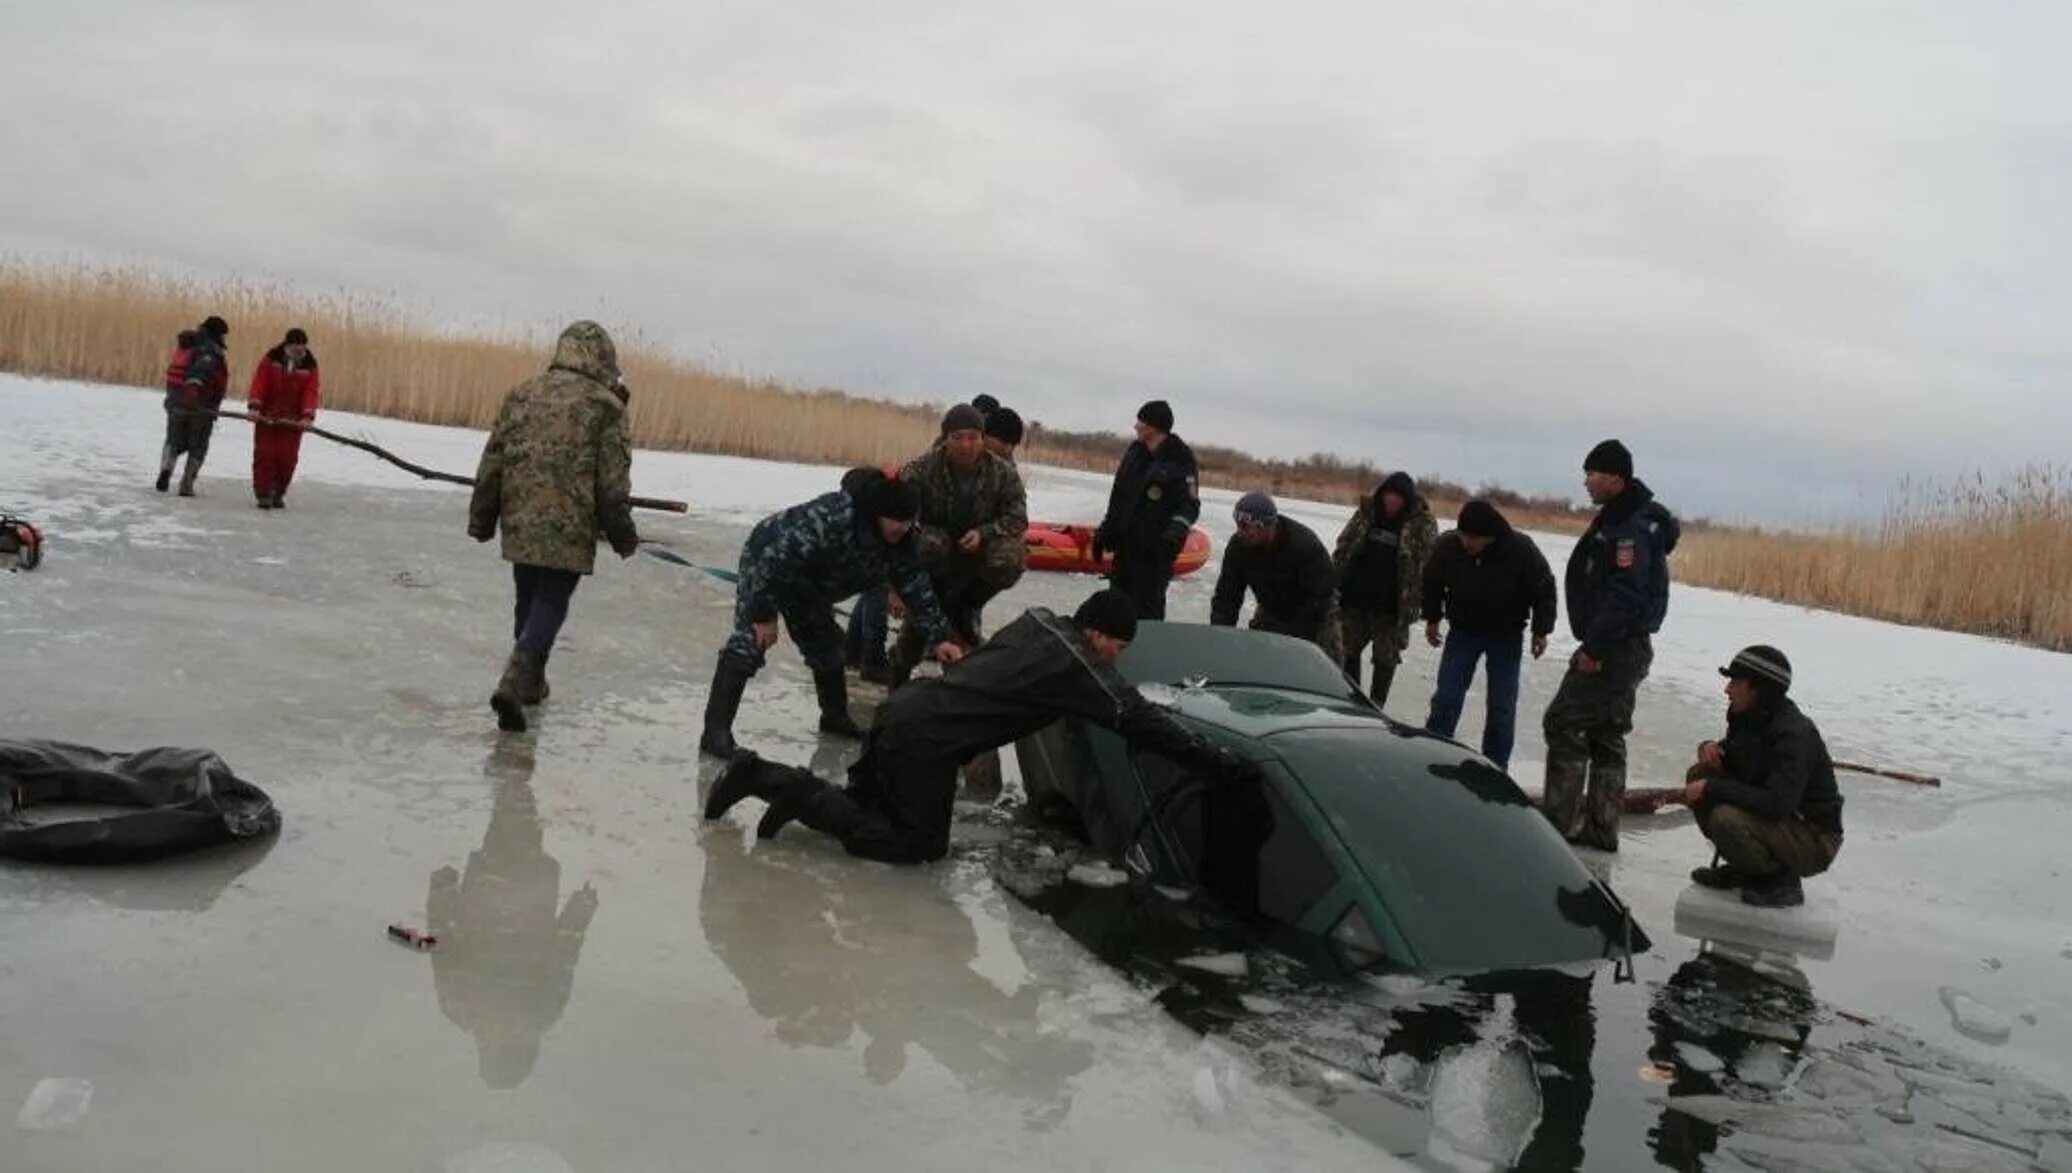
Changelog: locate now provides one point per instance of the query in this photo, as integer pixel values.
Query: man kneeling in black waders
(1765, 795)
(1039, 668)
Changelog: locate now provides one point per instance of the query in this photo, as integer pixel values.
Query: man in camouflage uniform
(1379, 562)
(796, 565)
(556, 473)
(1618, 594)
(970, 532)
(1155, 501)
(194, 386)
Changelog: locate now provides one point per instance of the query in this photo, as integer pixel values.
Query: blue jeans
(543, 596)
(865, 642)
(1506, 656)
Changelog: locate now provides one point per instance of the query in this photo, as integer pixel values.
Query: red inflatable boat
(1069, 548)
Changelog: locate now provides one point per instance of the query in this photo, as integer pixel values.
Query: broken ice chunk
(1231, 965)
(1698, 1059)
(55, 1103)
(1974, 1019)
(1765, 1065)
(1098, 875)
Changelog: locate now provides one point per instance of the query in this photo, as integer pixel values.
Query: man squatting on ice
(195, 382)
(1155, 501)
(286, 386)
(968, 531)
(1618, 595)
(1486, 580)
(1284, 564)
(1380, 560)
(796, 565)
(1765, 794)
(556, 473)
(901, 794)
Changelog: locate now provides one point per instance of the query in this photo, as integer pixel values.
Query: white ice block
(1810, 930)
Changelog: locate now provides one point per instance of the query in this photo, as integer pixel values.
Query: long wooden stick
(1895, 775)
(430, 474)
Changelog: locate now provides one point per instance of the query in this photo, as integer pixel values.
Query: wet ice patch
(1771, 1120)
(1485, 1105)
(55, 1104)
(1098, 875)
(508, 1158)
(1975, 1019)
(1165, 696)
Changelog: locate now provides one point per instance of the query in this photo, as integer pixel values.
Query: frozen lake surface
(620, 987)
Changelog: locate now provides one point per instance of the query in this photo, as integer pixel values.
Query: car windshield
(1472, 874)
(1180, 653)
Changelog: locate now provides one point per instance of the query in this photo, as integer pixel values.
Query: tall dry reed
(1995, 559)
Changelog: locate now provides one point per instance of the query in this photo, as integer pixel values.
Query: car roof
(1177, 653)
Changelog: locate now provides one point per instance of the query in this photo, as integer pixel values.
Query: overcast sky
(1789, 251)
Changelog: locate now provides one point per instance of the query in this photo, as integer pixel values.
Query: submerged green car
(1396, 848)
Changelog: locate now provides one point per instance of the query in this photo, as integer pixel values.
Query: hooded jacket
(1492, 593)
(285, 388)
(1618, 574)
(1380, 562)
(557, 470)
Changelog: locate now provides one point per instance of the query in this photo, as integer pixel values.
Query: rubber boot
(280, 498)
(1351, 664)
(1384, 679)
(535, 687)
(166, 457)
(742, 778)
(505, 701)
(729, 681)
(188, 474)
(832, 687)
(1782, 890)
(1721, 876)
(265, 502)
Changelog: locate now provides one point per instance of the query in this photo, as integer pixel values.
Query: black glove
(626, 547)
(482, 533)
(1098, 546)
(1175, 536)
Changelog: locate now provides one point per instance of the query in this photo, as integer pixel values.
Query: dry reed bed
(1996, 560)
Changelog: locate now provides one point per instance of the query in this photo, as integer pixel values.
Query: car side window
(1241, 844)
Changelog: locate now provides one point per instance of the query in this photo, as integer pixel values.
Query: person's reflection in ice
(1715, 1006)
(822, 963)
(506, 958)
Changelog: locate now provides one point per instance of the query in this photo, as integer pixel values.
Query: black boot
(1721, 876)
(729, 681)
(509, 708)
(165, 478)
(536, 690)
(280, 498)
(1384, 678)
(188, 473)
(1782, 890)
(876, 668)
(1351, 664)
(832, 686)
(743, 778)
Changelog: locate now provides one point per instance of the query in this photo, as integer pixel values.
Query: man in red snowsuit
(284, 388)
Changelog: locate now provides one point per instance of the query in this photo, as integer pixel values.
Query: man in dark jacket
(1765, 795)
(1155, 502)
(1487, 580)
(902, 791)
(795, 566)
(195, 382)
(1003, 432)
(555, 475)
(1282, 562)
(1380, 561)
(1618, 594)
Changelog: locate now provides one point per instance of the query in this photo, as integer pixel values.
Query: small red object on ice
(415, 938)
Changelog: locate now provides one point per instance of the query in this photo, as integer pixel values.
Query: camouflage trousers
(964, 584)
(1586, 726)
(1757, 846)
(1357, 629)
(810, 623)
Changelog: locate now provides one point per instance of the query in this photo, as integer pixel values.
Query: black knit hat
(963, 418)
(986, 404)
(1611, 457)
(1158, 414)
(215, 325)
(886, 497)
(1005, 424)
(295, 337)
(1109, 612)
(1762, 664)
(1479, 519)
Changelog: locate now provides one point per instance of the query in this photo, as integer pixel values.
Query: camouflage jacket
(557, 471)
(1413, 548)
(816, 553)
(989, 500)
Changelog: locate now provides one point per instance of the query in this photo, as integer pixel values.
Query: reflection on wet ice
(824, 964)
(506, 959)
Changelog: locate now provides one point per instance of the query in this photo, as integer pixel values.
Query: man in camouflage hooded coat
(970, 532)
(1380, 562)
(556, 474)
